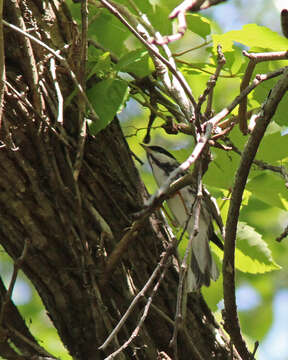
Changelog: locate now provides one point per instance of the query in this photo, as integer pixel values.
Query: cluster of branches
(206, 128)
(202, 125)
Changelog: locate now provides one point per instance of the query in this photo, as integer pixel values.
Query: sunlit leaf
(252, 253)
(251, 35)
(198, 24)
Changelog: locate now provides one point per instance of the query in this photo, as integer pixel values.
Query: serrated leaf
(107, 97)
(252, 253)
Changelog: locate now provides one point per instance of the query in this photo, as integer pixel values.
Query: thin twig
(210, 86)
(254, 58)
(181, 304)
(62, 60)
(256, 82)
(283, 235)
(221, 62)
(62, 135)
(35, 346)
(208, 131)
(173, 86)
(261, 164)
(30, 65)
(58, 91)
(180, 13)
(181, 285)
(181, 53)
(256, 345)
(144, 315)
(151, 48)
(81, 104)
(163, 262)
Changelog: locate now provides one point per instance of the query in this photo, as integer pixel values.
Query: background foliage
(258, 257)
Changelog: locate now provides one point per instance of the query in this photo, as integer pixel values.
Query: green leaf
(137, 62)
(101, 66)
(269, 188)
(199, 25)
(253, 36)
(235, 61)
(107, 98)
(267, 150)
(281, 117)
(222, 169)
(252, 253)
(108, 31)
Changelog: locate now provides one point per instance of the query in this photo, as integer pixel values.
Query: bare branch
(283, 235)
(255, 58)
(257, 81)
(163, 262)
(181, 304)
(180, 13)
(262, 164)
(143, 317)
(152, 49)
(58, 91)
(211, 84)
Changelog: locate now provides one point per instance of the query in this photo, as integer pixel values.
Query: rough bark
(67, 224)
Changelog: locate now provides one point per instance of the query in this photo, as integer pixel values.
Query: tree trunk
(71, 226)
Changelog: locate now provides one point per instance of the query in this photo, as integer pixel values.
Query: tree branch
(254, 58)
(163, 262)
(151, 48)
(231, 319)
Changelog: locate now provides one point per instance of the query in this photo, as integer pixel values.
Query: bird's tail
(203, 266)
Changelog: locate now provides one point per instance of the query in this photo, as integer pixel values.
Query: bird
(202, 263)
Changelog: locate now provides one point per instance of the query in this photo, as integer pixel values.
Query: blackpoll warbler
(202, 263)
